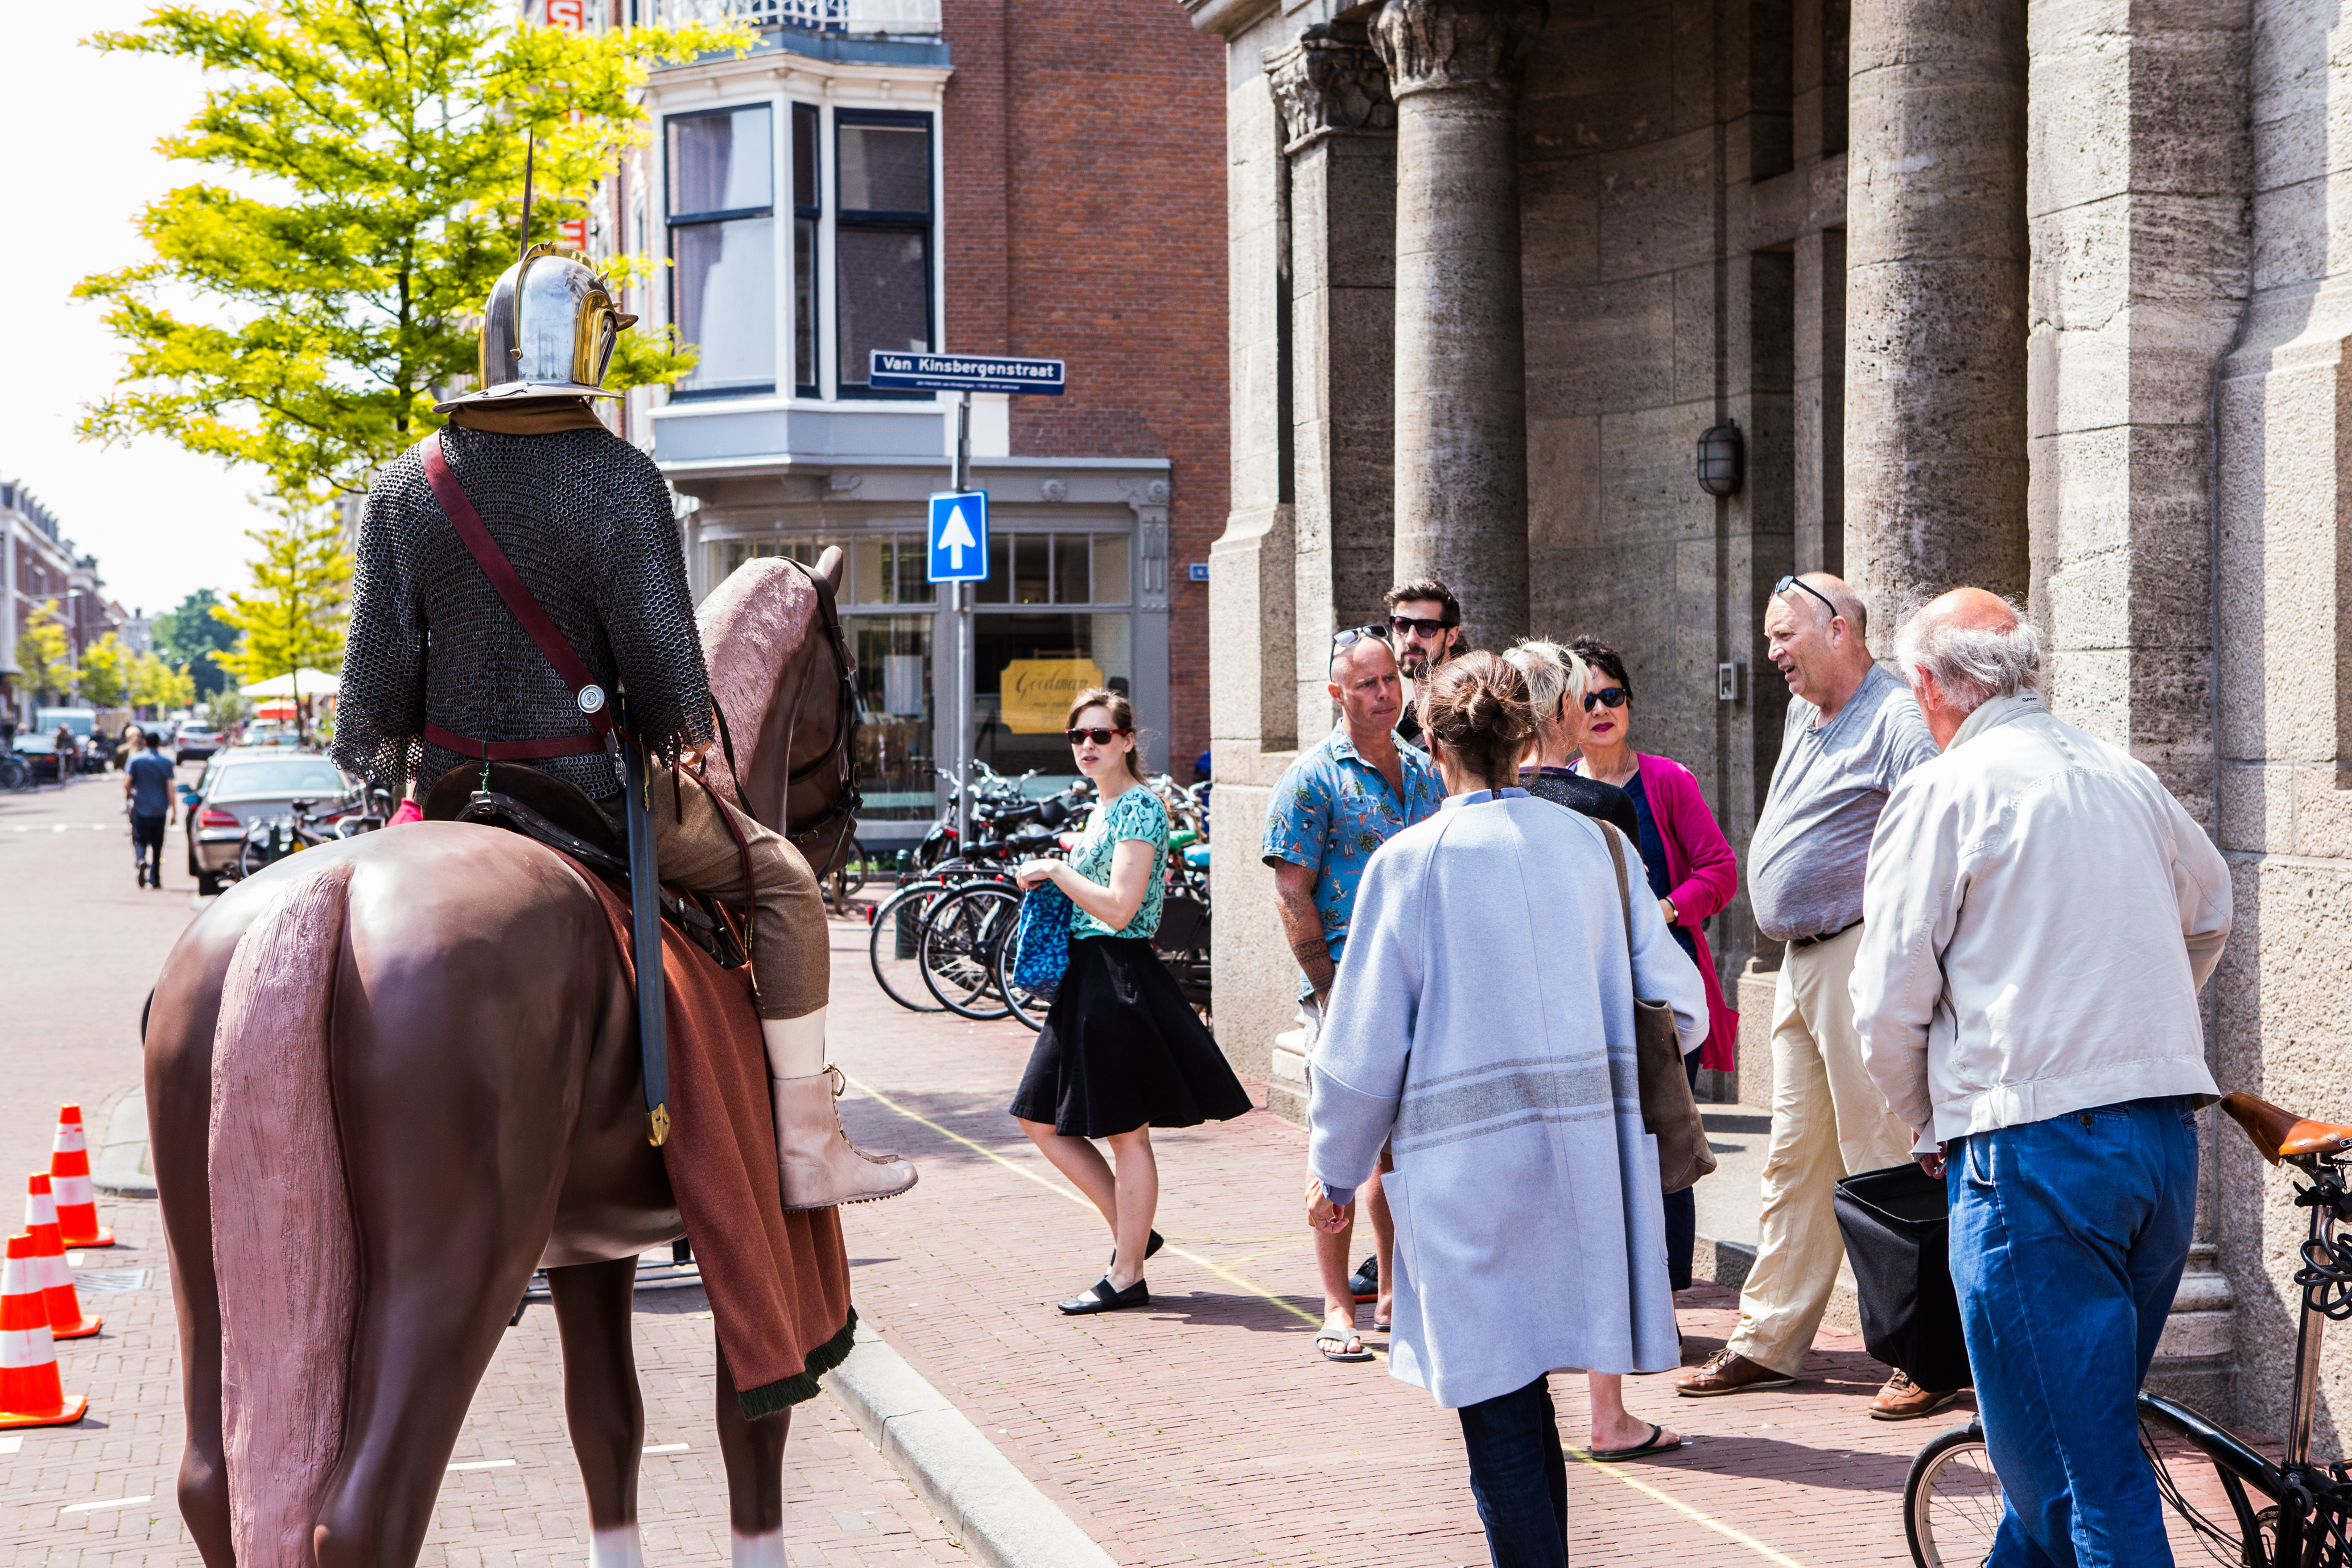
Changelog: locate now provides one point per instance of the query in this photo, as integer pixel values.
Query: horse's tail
(285, 1250)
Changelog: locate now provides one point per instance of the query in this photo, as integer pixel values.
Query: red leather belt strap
(521, 604)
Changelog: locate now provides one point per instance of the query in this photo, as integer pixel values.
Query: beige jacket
(2038, 916)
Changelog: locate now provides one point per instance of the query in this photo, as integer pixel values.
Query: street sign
(960, 536)
(963, 373)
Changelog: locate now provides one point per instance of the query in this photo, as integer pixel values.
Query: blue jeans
(1520, 1477)
(2067, 1241)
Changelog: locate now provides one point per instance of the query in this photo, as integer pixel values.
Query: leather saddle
(543, 807)
(2280, 1134)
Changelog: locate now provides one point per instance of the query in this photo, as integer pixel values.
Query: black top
(1600, 802)
(1653, 858)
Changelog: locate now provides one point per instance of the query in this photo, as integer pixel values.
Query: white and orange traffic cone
(66, 1321)
(76, 1201)
(30, 1393)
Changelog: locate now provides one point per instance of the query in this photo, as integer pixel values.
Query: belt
(1795, 941)
(513, 751)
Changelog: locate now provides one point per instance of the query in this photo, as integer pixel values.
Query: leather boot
(817, 1163)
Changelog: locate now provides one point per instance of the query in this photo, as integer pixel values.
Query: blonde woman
(1556, 678)
(1120, 1051)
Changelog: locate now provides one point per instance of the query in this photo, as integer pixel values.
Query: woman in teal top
(1120, 1051)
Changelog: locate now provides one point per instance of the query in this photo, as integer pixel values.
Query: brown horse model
(407, 1065)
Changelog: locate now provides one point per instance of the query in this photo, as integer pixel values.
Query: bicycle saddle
(2281, 1134)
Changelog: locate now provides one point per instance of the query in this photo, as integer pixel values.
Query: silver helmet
(547, 332)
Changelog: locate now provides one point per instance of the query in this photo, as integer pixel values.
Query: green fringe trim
(784, 1394)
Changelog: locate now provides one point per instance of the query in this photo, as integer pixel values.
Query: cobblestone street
(1203, 1431)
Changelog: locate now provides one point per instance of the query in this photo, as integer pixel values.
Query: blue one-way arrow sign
(963, 373)
(960, 536)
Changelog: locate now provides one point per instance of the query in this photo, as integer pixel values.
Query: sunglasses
(1404, 626)
(1355, 635)
(1612, 698)
(1786, 583)
(1099, 737)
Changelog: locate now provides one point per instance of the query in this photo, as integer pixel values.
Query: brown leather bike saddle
(2281, 1134)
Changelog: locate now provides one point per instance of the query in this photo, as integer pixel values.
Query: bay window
(722, 247)
(882, 238)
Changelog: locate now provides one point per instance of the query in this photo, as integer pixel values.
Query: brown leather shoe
(818, 1163)
(1727, 1372)
(1904, 1400)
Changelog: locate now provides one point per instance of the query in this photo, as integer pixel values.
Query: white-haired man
(2038, 916)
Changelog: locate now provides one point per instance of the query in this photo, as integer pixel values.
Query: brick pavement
(1205, 1431)
(79, 960)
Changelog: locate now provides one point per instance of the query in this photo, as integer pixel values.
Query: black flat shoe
(1103, 1299)
(1151, 1248)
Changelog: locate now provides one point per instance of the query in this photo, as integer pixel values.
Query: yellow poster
(1036, 692)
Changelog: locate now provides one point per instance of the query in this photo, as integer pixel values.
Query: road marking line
(14, 1443)
(664, 1447)
(483, 1464)
(1740, 1538)
(112, 1502)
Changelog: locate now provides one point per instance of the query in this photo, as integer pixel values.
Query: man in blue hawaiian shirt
(1332, 807)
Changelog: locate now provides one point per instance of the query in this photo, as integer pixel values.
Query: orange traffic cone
(30, 1395)
(66, 1321)
(70, 1178)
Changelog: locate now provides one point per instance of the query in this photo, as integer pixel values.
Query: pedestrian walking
(1482, 1028)
(1120, 1051)
(1426, 620)
(2041, 916)
(147, 796)
(1555, 679)
(1853, 731)
(1352, 793)
(68, 754)
(1690, 868)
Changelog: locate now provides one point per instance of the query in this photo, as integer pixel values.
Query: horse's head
(779, 678)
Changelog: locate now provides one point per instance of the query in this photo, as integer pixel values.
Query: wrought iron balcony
(915, 17)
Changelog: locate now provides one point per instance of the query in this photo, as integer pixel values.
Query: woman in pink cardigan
(1692, 873)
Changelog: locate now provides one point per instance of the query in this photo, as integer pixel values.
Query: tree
(157, 685)
(189, 636)
(226, 709)
(388, 139)
(106, 672)
(298, 609)
(42, 660)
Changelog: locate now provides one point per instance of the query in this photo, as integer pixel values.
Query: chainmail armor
(586, 520)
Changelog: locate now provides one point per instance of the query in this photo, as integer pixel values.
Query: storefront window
(1029, 666)
(1055, 569)
(882, 568)
(895, 756)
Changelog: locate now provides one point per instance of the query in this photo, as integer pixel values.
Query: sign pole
(966, 657)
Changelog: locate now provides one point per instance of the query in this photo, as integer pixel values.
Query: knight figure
(440, 674)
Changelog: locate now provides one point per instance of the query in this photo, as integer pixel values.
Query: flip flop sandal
(1342, 1341)
(1649, 1445)
(1383, 1325)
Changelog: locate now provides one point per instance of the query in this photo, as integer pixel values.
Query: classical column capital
(1329, 79)
(1433, 45)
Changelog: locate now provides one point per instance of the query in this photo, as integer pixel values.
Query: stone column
(1461, 356)
(1338, 129)
(1936, 259)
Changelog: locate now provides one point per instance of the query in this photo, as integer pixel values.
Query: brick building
(38, 564)
(977, 176)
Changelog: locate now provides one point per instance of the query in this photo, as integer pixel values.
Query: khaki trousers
(792, 957)
(1828, 1120)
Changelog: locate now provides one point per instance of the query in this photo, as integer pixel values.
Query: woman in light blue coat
(1482, 1030)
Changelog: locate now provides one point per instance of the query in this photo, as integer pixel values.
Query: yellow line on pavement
(1737, 1537)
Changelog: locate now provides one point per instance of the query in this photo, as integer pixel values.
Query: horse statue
(407, 1062)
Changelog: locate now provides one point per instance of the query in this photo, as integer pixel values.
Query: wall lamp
(1722, 459)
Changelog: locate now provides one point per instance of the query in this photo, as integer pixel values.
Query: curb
(998, 1517)
(121, 1167)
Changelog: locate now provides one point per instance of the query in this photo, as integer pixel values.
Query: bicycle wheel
(892, 946)
(1951, 1501)
(960, 937)
(1028, 1006)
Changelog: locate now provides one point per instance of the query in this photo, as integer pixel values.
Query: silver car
(244, 785)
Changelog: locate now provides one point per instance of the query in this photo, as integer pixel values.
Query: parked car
(243, 785)
(82, 723)
(197, 742)
(40, 755)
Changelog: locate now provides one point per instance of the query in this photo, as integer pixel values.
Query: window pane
(886, 168)
(1027, 669)
(885, 296)
(1029, 570)
(1070, 570)
(894, 700)
(997, 589)
(726, 301)
(914, 569)
(804, 302)
(870, 577)
(1110, 569)
(804, 135)
(721, 163)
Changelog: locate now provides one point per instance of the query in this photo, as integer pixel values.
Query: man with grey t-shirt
(1852, 731)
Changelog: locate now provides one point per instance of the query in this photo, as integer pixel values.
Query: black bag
(1897, 1238)
(1668, 1111)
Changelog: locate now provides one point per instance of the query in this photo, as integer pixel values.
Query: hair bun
(1477, 707)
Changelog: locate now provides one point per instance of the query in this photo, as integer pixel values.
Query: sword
(645, 923)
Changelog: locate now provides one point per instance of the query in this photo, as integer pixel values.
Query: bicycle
(273, 838)
(2291, 1515)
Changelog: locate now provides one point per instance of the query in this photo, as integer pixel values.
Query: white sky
(82, 128)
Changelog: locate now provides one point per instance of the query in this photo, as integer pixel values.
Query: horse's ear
(828, 566)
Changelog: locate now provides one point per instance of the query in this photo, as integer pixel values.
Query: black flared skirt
(1121, 1048)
